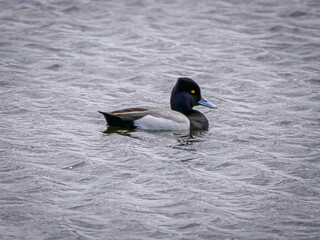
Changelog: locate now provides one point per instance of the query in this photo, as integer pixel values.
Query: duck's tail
(115, 121)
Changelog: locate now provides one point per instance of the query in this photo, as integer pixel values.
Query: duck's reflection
(121, 131)
(185, 140)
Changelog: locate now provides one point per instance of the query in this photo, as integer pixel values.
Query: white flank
(169, 121)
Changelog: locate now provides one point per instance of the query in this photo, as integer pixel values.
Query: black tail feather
(116, 121)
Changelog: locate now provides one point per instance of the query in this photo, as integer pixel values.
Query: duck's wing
(163, 119)
(148, 119)
(126, 117)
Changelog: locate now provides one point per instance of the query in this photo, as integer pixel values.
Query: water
(253, 175)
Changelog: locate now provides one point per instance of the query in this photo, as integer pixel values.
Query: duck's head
(185, 95)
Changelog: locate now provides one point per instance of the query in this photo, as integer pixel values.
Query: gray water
(253, 175)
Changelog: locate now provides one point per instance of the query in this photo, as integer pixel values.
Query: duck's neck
(181, 103)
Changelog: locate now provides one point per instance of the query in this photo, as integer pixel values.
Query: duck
(185, 95)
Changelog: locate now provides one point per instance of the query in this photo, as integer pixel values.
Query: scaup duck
(184, 96)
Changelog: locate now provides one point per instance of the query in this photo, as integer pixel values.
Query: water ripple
(253, 175)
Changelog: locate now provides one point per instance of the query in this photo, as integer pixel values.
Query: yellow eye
(193, 91)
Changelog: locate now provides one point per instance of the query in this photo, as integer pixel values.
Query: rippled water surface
(255, 173)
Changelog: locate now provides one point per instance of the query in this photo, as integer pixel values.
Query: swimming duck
(184, 96)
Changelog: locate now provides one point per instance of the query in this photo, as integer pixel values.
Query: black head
(185, 95)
